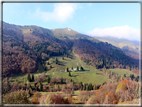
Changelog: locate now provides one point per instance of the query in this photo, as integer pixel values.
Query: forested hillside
(26, 46)
(131, 48)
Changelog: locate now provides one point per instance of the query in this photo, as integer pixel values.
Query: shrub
(103, 93)
(35, 99)
(91, 100)
(127, 91)
(85, 95)
(16, 97)
(53, 99)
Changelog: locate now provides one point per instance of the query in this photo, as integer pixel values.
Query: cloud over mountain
(117, 31)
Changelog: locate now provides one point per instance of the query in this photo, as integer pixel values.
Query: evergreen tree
(48, 63)
(67, 70)
(33, 78)
(56, 60)
(61, 80)
(132, 76)
(8, 84)
(48, 79)
(40, 86)
(62, 58)
(69, 74)
(124, 75)
(72, 68)
(82, 69)
(85, 87)
(29, 92)
(50, 66)
(88, 88)
(77, 68)
(29, 78)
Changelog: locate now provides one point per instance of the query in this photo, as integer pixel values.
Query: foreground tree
(16, 97)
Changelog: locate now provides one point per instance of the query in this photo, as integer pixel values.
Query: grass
(89, 75)
(122, 72)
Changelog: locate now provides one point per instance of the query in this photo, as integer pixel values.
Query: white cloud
(118, 31)
(61, 12)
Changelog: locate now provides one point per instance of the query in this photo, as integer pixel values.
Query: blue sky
(95, 19)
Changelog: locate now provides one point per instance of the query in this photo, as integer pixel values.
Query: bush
(127, 91)
(105, 93)
(53, 99)
(85, 95)
(35, 99)
(16, 97)
(91, 100)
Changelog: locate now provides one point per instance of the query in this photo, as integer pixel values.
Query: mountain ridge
(26, 46)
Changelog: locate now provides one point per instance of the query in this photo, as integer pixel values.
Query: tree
(33, 78)
(132, 76)
(48, 79)
(85, 87)
(69, 74)
(50, 66)
(72, 68)
(82, 69)
(137, 78)
(41, 86)
(67, 70)
(61, 80)
(48, 63)
(29, 78)
(124, 75)
(56, 61)
(77, 68)
(62, 58)
(16, 97)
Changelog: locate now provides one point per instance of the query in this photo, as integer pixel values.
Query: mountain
(130, 47)
(27, 47)
(136, 42)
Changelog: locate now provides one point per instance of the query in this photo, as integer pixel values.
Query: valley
(63, 66)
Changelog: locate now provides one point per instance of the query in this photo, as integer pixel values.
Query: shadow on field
(61, 63)
(86, 70)
(99, 73)
(74, 75)
(66, 59)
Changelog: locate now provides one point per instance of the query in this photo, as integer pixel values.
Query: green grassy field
(89, 75)
(122, 72)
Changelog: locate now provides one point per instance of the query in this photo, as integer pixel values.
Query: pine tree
(69, 74)
(61, 80)
(48, 79)
(50, 66)
(62, 58)
(72, 68)
(67, 70)
(8, 84)
(85, 87)
(77, 68)
(82, 69)
(29, 78)
(48, 63)
(56, 61)
(33, 78)
(40, 86)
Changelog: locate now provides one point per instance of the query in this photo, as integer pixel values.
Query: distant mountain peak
(68, 29)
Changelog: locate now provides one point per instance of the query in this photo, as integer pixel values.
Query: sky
(120, 20)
